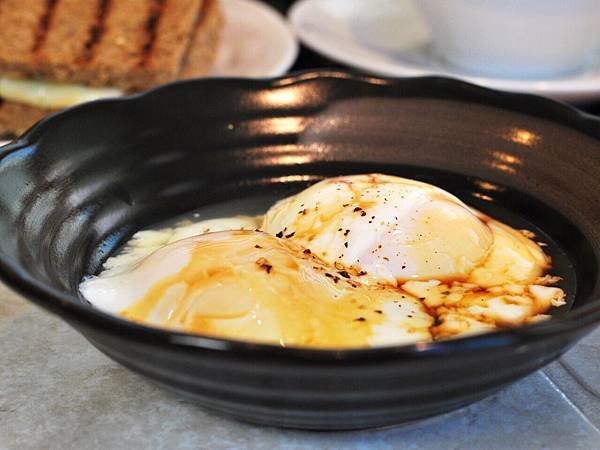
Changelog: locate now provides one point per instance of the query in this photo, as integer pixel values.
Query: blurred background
(383, 21)
(55, 54)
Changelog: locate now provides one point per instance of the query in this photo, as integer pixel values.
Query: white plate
(387, 37)
(257, 41)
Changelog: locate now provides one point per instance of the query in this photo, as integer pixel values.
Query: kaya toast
(129, 45)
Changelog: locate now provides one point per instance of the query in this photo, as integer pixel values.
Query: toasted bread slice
(130, 44)
(172, 54)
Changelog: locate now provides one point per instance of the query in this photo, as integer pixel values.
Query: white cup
(514, 38)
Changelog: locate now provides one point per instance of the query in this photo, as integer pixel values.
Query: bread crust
(205, 41)
(16, 118)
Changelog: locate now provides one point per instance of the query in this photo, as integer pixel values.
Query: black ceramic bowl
(79, 184)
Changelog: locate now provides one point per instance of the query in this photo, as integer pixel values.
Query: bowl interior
(78, 185)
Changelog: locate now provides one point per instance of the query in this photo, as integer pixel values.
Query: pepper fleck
(264, 264)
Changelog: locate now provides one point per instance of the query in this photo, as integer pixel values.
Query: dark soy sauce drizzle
(499, 202)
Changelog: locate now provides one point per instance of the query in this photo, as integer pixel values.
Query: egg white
(252, 286)
(144, 243)
(393, 228)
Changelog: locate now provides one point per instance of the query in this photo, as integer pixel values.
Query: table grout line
(570, 403)
(577, 378)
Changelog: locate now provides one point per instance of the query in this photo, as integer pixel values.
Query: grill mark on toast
(96, 32)
(43, 26)
(150, 28)
(203, 16)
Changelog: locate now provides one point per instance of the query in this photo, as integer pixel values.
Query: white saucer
(387, 37)
(257, 41)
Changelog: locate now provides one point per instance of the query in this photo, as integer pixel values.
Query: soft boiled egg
(253, 286)
(352, 261)
(143, 243)
(390, 227)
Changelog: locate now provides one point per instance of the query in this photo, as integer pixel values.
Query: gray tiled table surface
(57, 391)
